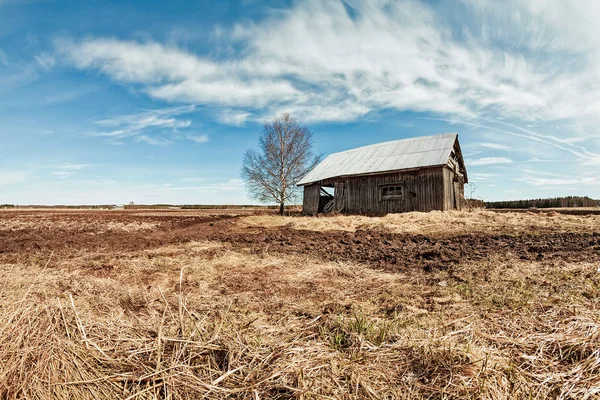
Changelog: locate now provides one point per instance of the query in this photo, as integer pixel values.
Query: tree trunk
(281, 208)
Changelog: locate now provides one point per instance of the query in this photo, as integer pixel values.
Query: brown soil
(394, 252)
(400, 251)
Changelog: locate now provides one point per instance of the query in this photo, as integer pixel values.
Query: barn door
(456, 191)
(339, 196)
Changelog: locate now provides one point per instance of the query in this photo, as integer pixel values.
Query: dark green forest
(553, 202)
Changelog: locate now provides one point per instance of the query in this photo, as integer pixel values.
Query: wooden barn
(417, 174)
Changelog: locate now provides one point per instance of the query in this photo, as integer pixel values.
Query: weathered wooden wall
(423, 191)
(454, 190)
(448, 190)
(310, 202)
(460, 188)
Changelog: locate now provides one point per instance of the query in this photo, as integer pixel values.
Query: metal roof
(424, 151)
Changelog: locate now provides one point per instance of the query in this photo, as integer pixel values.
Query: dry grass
(436, 222)
(73, 224)
(200, 320)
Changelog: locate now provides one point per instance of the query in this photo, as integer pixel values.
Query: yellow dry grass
(205, 320)
(75, 225)
(436, 222)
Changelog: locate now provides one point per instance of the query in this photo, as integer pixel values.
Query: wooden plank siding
(424, 190)
(454, 190)
(310, 202)
(448, 190)
(460, 185)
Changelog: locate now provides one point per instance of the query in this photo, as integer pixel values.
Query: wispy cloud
(45, 60)
(152, 141)
(140, 124)
(233, 117)
(61, 174)
(592, 161)
(67, 169)
(66, 96)
(493, 146)
(234, 184)
(481, 176)
(337, 61)
(73, 167)
(537, 181)
(17, 77)
(3, 58)
(199, 138)
(490, 125)
(489, 161)
(521, 77)
(556, 180)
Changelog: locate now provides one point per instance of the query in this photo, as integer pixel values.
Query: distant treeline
(474, 203)
(98, 206)
(555, 202)
(148, 206)
(204, 206)
(160, 206)
(226, 207)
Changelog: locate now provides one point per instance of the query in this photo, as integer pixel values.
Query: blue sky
(113, 101)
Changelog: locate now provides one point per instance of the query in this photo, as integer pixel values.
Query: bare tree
(285, 156)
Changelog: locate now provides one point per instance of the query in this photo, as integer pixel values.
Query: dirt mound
(398, 251)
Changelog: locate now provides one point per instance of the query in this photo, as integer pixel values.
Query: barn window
(392, 191)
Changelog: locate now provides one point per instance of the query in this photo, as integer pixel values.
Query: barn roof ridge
(410, 139)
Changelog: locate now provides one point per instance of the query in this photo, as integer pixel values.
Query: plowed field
(189, 304)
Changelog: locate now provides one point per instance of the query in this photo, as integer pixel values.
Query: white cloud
(138, 125)
(546, 179)
(538, 160)
(61, 174)
(592, 161)
(324, 63)
(233, 117)
(510, 72)
(73, 167)
(175, 75)
(128, 125)
(65, 96)
(494, 146)
(67, 169)
(152, 141)
(199, 138)
(234, 184)
(480, 176)
(3, 58)
(17, 78)
(515, 131)
(45, 60)
(193, 179)
(489, 161)
(551, 181)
